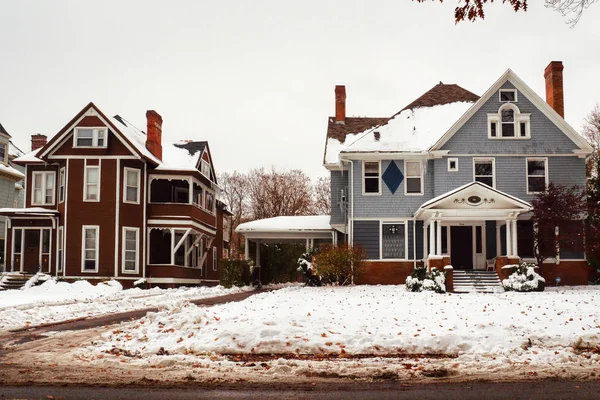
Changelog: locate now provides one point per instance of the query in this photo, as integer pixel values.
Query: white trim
(71, 157)
(536, 100)
(85, 182)
(527, 176)
(64, 270)
(394, 222)
(43, 188)
(117, 215)
(214, 256)
(62, 179)
(124, 249)
(146, 237)
(406, 177)
(455, 160)
(60, 249)
(516, 155)
(371, 177)
(171, 222)
(482, 160)
(125, 182)
(96, 130)
(83, 248)
(515, 91)
(518, 119)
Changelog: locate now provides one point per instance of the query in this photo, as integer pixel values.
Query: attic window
(2, 153)
(90, 137)
(509, 123)
(205, 169)
(508, 95)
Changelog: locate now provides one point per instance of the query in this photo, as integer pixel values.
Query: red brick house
(106, 200)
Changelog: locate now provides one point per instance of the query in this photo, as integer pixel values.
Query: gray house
(11, 184)
(449, 179)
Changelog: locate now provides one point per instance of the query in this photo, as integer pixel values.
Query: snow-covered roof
(179, 158)
(13, 150)
(30, 157)
(287, 224)
(134, 135)
(29, 210)
(7, 169)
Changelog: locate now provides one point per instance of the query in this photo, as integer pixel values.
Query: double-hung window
(371, 177)
(537, 175)
(132, 186)
(61, 185)
(59, 247)
(414, 178)
(89, 248)
(3, 153)
(483, 171)
(90, 137)
(43, 188)
(393, 240)
(205, 169)
(91, 190)
(130, 250)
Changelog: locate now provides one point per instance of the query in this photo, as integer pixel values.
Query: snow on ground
(485, 331)
(60, 301)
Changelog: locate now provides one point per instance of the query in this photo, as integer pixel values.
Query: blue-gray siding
(366, 236)
(411, 241)
(339, 182)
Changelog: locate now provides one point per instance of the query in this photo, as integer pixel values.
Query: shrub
(306, 267)
(524, 279)
(420, 280)
(231, 273)
(339, 265)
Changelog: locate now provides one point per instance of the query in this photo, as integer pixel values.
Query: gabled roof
(13, 150)
(181, 156)
(413, 129)
(3, 131)
(537, 101)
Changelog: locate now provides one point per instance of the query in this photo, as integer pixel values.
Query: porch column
(432, 238)
(257, 254)
(438, 243)
(498, 240)
(191, 193)
(247, 250)
(425, 247)
(514, 238)
(172, 246)
(508, 238)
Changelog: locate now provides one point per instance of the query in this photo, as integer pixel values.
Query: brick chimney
(38, 141)
(554, 87)
(154, 133)
(340, 104)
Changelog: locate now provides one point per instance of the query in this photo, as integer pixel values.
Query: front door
(461, 247)
(31, 263)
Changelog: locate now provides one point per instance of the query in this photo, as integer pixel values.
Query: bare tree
(591, 127)
(273, 193)
(322, 196)
(573, 9)
(235, 193)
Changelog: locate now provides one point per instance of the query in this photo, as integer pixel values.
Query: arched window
(508, 123)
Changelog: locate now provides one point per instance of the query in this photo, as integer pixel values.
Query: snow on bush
(420, 280)
(34, 280)
(524, 279)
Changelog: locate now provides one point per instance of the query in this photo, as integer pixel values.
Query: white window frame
(527, 176)
(83, 248)
(62, 177)
(455, 161)
(392, 222)
(508, 90)
(125, 185)
(60, 246)
(205, 164)
(496, 118)
(378, 177)
(124, 250)
(4, 159)
(406, 176)
(43, 188)
(486, 159)
(214, 256)
(95, 133)
(85, 184)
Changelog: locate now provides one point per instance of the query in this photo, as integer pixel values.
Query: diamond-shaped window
(392, 177)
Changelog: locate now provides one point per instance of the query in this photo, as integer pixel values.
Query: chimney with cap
(154, 133)
(340, 104)
(38, 141)
(554, 87)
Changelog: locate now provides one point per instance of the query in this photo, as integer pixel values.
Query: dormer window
(205, 169)
(3, 153)
(90, 137)
(508, 95)
(508, 123)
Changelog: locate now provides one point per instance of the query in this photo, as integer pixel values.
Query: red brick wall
(570, 272)
(385, 273)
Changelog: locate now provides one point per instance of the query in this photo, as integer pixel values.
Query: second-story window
(210, 201)
(132, 186)
(61, 185)
(414, 181)
(371, 178)
(43, 188)
(90, 137)
(91, 190)
(3, 153)
(483, 170)
(537, 175)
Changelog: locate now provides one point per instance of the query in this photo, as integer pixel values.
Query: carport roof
(308, 226)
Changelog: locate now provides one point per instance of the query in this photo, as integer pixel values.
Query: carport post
(247, 250)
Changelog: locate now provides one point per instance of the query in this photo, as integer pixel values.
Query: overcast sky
(256, 78)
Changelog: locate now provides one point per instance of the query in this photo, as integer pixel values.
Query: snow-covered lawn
(60, 301)
(549, 328)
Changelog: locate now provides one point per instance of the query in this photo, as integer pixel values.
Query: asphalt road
(541, 390)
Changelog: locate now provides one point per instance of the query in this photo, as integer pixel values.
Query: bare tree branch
(570, 8)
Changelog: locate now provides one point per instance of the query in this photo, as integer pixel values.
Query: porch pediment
(474, 200)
